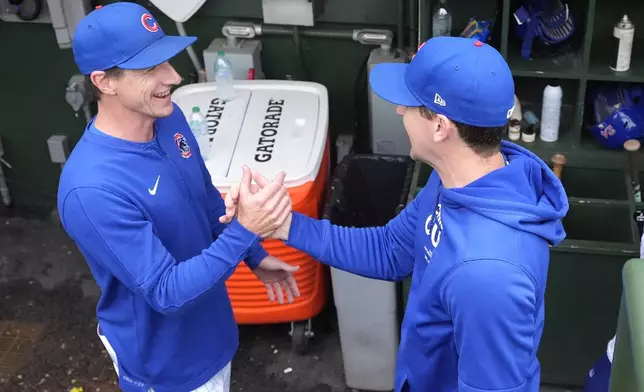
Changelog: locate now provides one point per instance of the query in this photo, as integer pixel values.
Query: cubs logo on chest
(182, 144)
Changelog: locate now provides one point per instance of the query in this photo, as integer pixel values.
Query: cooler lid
(272, 125)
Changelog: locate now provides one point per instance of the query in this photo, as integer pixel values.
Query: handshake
(263, 208)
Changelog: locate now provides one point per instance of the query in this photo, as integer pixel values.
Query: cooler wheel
(301, 333)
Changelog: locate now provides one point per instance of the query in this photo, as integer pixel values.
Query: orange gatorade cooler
(271, 126)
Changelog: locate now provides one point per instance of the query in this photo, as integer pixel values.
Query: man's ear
(443, 128)
(102, 82)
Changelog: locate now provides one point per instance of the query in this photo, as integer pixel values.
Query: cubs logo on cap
(149, 23)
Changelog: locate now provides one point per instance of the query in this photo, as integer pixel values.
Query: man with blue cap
(136, 197)
(477, 237)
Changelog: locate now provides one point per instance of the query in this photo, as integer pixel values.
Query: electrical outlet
(76, 93)
(58, 150)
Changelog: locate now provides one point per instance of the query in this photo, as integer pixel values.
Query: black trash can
(366, 191)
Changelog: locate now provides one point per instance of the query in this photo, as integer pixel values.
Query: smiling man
(138, 201)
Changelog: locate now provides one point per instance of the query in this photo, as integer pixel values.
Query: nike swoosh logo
(153, 191)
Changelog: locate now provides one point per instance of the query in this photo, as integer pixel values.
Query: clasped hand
(265, 209)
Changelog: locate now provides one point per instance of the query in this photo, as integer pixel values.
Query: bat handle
(632, 147)
(558, 162)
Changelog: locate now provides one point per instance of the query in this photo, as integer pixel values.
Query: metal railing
(627, 372)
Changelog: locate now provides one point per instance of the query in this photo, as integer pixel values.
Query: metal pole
(413, 24)
(366, 36)
(304, 32)
(401, 26)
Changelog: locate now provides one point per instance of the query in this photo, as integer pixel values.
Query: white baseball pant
(219, 383)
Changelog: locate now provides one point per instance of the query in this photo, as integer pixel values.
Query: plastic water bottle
(551, 113)
(441, 20)
(224, 77)
(199, 128)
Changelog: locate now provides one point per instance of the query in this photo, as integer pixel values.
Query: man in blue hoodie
(476, 237)
(137, 199)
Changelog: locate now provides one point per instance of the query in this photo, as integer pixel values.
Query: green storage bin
(584, 286)
(582, 303)
(594, 184)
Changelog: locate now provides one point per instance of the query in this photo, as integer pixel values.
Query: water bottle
(551, 113)
(199, 128)
(224, 77)
(441, 20)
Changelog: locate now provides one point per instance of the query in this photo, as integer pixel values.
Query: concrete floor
(40, 254)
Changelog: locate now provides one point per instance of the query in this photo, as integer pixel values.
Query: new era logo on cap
(438, 100)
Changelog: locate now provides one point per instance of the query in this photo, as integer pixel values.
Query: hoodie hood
(525, 195)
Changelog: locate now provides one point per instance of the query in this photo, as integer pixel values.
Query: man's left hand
(278, 278)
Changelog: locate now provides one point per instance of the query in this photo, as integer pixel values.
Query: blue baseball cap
(461, 78)
(126, 35)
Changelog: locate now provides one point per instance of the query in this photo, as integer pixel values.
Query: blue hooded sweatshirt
(479, 256)
(145, 217)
